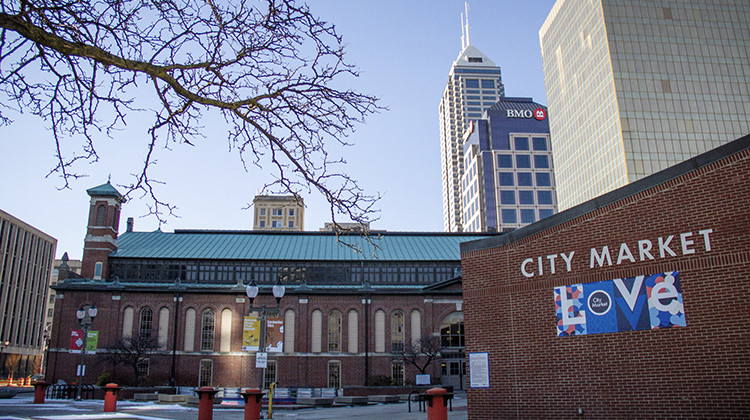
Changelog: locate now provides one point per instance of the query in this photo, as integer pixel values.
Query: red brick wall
(698, 371)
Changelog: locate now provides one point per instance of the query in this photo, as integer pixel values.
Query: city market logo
(599, 302)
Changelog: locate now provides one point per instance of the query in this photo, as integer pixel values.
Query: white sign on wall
(261, 360)
(479, 370)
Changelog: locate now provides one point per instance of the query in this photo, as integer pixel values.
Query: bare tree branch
(270, 68)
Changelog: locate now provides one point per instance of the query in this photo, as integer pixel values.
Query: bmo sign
(538, 114)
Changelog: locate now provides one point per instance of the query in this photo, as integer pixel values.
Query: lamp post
(81, 314)
(252, 291)
(45, 350)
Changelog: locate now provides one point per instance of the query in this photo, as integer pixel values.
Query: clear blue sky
(404, 50)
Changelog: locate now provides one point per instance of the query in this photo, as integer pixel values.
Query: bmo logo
(538, 114)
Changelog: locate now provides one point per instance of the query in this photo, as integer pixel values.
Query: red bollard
(110, 398)
(253, 397)
(437, 404)
(39, 389)
(206, 402)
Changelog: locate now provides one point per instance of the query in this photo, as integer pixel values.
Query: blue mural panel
(618, 305)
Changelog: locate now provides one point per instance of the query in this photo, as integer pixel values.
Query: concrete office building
(26, 256)
(509, 180)
(474, 84)
(635, 87)
(279, 212)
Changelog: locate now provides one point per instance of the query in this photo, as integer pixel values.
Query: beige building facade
(635, 87)
(279, 213)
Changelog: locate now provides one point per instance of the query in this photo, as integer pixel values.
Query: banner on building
(76, 341)
(274, 334)
(251, 333)
(627, 304)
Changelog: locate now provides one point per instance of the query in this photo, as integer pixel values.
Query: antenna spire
(468, 37)
(463, 33)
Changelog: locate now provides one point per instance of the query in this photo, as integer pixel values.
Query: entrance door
(452, 373)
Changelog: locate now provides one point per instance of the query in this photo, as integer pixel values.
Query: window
(397, 331)
(145, 325)
(521, 143)
(163, 331)
(334, 331)
(225, 343)
(316, 331)
(507, 197)
(352, 331)
(524, 179)
(276, 224)
(541, 162)
(270, 374)
(452, 330)
(472, 83)
(397, 373)
(506, 179)
(526, 197)
(380, 331)
(543, 179)
(50, 312)
(206, 373)
(416, 326)
(475, 60)
(540, 143)
(289, 331)
(207, 330)
(189, 342)
(143, 366)
(291, 223)
(334, 374)
(488, 83)
(98, 270)
(127, 322)
(262, 212)
(262, 224)
(101, 213)
(528, 216)
(291, 212)
(544, 197)
(508, 216)
(523, 161)
(545, 213)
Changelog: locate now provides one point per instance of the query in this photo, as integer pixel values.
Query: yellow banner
(251, 333)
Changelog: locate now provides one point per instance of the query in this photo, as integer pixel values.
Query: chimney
(129, 225)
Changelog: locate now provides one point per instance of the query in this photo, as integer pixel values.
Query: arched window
(226, 330)
(416, 326)
(163, 328)
(334, 331)
(397, 331)
(101, 213)
(316, 331)
(127, 322)
(289, 331)
(352, 330)
(189, 343)
(452, 330)
(146, 325)
(207, 330)
(380, 331)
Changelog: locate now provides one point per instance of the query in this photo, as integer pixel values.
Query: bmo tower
(508, 181)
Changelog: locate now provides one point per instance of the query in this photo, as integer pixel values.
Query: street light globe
(278, 290)
(80, 313)
(252, 289)
(93, 311)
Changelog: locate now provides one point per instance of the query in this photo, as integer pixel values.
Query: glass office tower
(635, 87)
(509, 180)
(474, 84)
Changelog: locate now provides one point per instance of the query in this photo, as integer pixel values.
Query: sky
(404, 51)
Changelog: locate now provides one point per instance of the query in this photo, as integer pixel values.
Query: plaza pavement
(21, 407)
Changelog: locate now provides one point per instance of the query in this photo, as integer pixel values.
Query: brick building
(351, 304)
(625, 306)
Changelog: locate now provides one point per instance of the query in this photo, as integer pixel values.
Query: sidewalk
(21, 407)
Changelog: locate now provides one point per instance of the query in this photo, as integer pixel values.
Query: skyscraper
(474, 84)
(635, 87)
(509, 180)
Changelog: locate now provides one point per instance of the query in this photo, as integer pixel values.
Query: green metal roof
(297, 246)
(104, 190)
